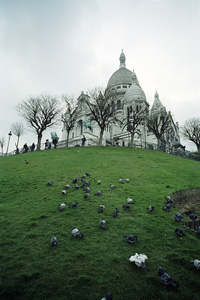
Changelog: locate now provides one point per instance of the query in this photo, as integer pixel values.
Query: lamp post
(10, 134)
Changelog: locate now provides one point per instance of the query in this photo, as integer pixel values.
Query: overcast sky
(69, 46)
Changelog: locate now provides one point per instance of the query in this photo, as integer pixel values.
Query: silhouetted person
(26, 148)
(83, 141)
(33, 147)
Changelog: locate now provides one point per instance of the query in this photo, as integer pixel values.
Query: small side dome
(135, 92)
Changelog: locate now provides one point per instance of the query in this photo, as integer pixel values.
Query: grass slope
(91, 267)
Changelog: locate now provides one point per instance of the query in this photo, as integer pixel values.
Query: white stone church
(128, 93)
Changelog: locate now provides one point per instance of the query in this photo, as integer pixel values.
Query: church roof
(122, 75)
(157, 104)
(135, 92)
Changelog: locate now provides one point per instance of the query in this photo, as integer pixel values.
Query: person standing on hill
(83, 141)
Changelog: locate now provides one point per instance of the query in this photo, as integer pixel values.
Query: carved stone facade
(123, 86)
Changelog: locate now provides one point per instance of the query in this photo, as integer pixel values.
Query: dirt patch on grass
(187, 200)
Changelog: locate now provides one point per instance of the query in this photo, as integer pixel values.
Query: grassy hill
(91, 267)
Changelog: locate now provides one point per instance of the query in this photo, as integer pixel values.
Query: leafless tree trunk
(2, 144)
(191, 131)
(18, 129)
(40, 112)
(71, 115)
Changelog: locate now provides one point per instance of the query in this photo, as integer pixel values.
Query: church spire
(122, 60)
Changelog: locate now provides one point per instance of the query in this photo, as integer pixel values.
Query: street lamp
(10, 134)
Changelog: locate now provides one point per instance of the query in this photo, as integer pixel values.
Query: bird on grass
(127, 180)
(74, 205)
(87, 174)
(87, 189)
(99, 181)
(76, 233)
(166, 279)
(115, 212)
(179, 216)
(168, 199)
(26, 162)
(198, 231)
(67, 186)
(112, 186)
(126, 207)
(63, 192)
(76, 186)
(132, 239)
(121, 181)
(62, 206)
(103, 223)
(196, 263)
(130, 201)
(74, 180)
(108, 297)
(54, 241)
(86, 195)
(150, 208)
(139, 260)
(168, 207)
(50, 183)
(179, 232)
(98, 193)
(101, 208)
(193, 216)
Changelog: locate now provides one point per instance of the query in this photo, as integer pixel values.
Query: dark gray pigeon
(50, 183)
(76, 186)
(168, 207)
(115, 212)
(26, 162)
(196, 263)
(99, 181)
(101, 208)
(67, 186)
(62, 206)
(121, 181)
(74, 205)
(87, 174)
(132, 239)
(166, 279)
(150, 208)
(103, 223)
(76, 233)
(198, 231)
(126, 207)
(108, 297)
(86, 195)
(112, 186)
(87, 189)
(179, 232)
(168, 199)
(75, 180)
(54, 241)
(98, 193)
(193, 216)
(179, 216)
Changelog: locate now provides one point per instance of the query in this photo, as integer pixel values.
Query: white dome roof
(135, 92)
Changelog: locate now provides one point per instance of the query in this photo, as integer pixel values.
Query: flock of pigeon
(138, 259)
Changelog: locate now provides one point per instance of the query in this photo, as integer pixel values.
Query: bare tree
(18, 129)
(2, 144)
(134, 118)
(159, 123)
(40, 112)
(71, 115)
(191, 131)
(102, 111)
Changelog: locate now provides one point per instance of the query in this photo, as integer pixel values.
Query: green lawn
(91, 267)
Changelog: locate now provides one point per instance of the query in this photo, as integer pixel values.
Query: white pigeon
(139, 260)
(129, 200)
(62, 206)
(63, 192)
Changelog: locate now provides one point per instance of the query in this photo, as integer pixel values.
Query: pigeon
(112, 186)
(178, 216)
(50, 183)
(168, 207)
(179, 232)
(87, 183)
(76, 233)
(127, 180)
(54, 241)
(87, 189)
(193, 216)
(196, 263)
(67, 186)
(198, 231)
(99, 181)
(87, 174)
(115, 212)
(166, 279)
(130, 201)
(86, 195)
(101, 208)
(126, 207)
(63, 192)
(26, 162)
(74, 205)
(168, 199)
(139, 260)
(150, 208)
(121, 181)
(76, 186)
(131, 238)
(108, 297)
(98, 193)
(62, 206)
(75, 180)
(103, 223)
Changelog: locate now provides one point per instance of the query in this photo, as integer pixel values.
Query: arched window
(118, 104)
(80, 127)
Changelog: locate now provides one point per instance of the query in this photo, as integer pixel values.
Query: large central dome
(122, 75)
